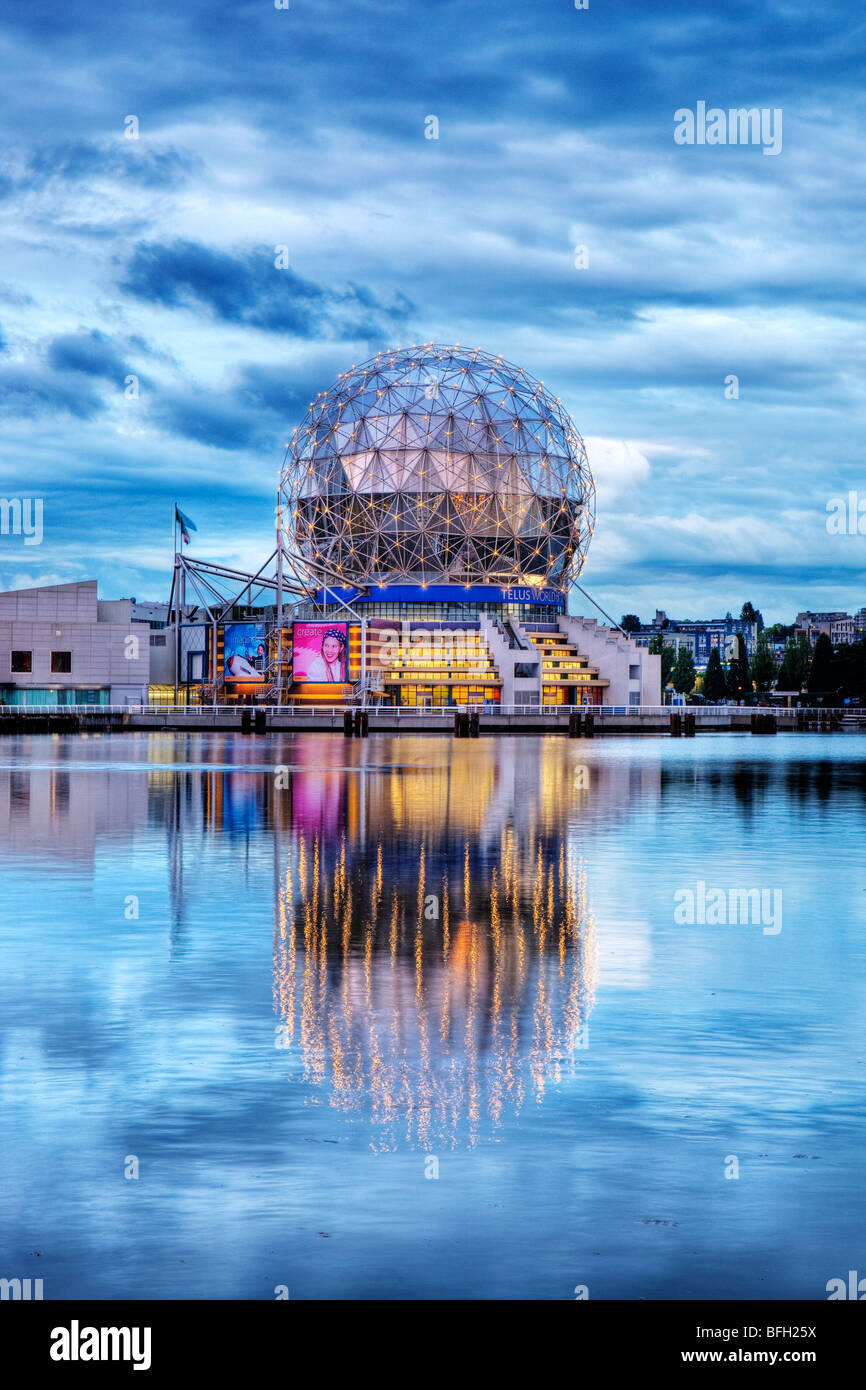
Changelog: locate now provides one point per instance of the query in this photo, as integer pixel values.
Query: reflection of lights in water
(432, 1002)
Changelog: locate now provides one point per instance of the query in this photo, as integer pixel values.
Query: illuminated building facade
(441, 502)
(435, 508)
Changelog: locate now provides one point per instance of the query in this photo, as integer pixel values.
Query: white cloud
(617, 465)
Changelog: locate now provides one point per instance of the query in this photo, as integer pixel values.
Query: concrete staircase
(633, 672)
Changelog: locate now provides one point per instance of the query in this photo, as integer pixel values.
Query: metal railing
(812, 712)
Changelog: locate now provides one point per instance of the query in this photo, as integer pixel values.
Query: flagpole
(176, 611)
(279, 603)
(182, 607)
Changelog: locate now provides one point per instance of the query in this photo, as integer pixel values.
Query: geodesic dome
(437, 464)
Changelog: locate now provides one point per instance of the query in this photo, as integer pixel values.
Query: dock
(580, 722)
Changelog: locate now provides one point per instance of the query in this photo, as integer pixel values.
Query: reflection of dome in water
(438, 463)
(424, 1000)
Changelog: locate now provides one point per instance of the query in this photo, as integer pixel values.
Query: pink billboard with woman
(320, 652)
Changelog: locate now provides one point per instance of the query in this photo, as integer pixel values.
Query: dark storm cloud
(83, 160)
(277, 390)
(30, 392)
(249, 289)
(89, 352)
(376, 58)
(61, 376)
(252, 410)
(207, 417)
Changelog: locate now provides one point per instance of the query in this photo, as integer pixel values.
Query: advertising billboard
(320, 653)
(244, 653)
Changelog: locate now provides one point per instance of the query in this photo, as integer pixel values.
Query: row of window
(21, 696)
(438, 612)
(415, 696)
(479, 661)
(421, 671)
(559, 695)
(472, 650)
(22, 663)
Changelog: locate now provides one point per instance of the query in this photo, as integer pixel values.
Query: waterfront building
(440, 504)
(435, 509)
(62, 645)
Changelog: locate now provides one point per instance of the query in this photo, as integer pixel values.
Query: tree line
(827, 672)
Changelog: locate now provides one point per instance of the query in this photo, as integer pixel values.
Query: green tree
(821, 681)
(748, 614)
(762, 669)
(739, 685)
(849, 670)
(659, 647)
(713, 688)
(683, 674)
(795, 664)
(630, 622)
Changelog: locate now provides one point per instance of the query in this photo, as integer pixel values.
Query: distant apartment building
(839, 627)
(778, 645)
(699, 636)
(62, 645)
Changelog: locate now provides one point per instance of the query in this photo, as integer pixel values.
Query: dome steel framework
(437, 464)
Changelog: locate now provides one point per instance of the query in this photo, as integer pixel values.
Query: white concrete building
(593, 664)
(61, 645)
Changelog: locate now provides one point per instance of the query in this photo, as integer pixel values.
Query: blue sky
(305, 128)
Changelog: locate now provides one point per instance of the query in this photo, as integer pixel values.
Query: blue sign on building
(444, 593)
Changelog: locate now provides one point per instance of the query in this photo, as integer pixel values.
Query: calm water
(414, 1018)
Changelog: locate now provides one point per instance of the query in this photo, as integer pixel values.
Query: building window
(21, 662)
(61, 663)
